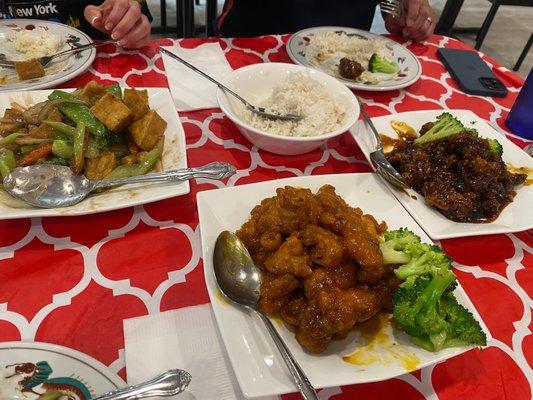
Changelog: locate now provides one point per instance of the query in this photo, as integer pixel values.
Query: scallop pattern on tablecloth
(73, 280)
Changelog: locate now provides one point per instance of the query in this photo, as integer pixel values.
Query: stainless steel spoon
(255, 109)
(239, 280)
(169, 383)
(52, 186)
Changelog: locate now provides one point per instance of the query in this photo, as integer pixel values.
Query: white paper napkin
(190, 90)
(187, 339)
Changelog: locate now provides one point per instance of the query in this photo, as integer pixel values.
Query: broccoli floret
(415, 304)
(462, 329)
(425, 259)
(394, 245)
(495, 146)
(379, 64)
(445, 126)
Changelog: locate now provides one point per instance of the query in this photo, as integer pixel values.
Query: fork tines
(391, 7)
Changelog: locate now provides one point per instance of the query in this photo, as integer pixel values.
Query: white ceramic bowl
(263, 79)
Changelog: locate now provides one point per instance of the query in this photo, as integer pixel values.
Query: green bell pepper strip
(126, 171)
(79, 113)
(78, 147)
(115, 89)
(92, 148)
(62, 148)
(27, 148)
(9, 138)
(61, 127)
(7, 162)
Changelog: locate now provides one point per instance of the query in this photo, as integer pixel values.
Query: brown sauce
(522, 170)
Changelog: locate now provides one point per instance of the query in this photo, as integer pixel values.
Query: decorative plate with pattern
(300, 51)
(31, 370)
(59, 70)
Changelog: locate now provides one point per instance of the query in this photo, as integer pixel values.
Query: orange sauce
(381, 346)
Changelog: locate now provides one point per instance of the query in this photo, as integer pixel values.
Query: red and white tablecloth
(72, 281)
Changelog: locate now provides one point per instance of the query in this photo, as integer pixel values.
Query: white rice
(300, 95)
(35, 43)
(327, 48)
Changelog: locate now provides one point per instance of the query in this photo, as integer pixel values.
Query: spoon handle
(169, 383)
(220, 85)
(307, 391)
(215, 170)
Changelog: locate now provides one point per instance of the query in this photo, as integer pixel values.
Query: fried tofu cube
(29, 69)
(101, 166)
(112, 112)
(137, 102)
(147, 131)
(44, 130)
(92, 92)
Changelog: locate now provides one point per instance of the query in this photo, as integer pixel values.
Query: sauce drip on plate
(381, 346)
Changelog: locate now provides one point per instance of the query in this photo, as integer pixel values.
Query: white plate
(174, 157)
(517, 216)
(60, 70)
(59, 368)
(409, 72)
(257, 364)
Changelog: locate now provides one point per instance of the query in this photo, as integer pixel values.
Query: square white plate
(516, 217)
(174, 157)
(257, 364)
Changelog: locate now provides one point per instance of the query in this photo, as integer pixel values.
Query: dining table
(73, 280)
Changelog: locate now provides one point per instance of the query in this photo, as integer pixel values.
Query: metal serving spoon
(47, 59)
(169, 383)
(240, 281)
(52, 186)
(378, 159)
(256, 110)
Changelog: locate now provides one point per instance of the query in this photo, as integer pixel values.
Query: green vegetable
(27, 148)
(115, 89)
(393, 248)
(445, 126)
(379, 64)
(495, 146)
(56, 161)
(65, 129)
(424, 305)
(62, 148)
(78, 148)
(7, 162)
(432, 316)
(9, 138)
(79, 113)
(126, 171)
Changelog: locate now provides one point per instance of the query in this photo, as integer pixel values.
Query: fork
(377, 157)
(255, 109)
(47, 59)
(391, 7)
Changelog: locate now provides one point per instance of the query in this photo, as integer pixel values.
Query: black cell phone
(471, 73)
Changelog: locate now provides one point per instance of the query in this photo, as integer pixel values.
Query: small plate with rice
(25, 39)
(327, 107)
(359, 59)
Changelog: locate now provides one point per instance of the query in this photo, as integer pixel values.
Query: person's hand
(122, 20)
(417, 22)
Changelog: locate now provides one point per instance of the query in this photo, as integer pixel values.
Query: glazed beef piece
(460, 176)
(350, 69)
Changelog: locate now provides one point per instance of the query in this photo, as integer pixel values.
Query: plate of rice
(359, 59)
(25, 39)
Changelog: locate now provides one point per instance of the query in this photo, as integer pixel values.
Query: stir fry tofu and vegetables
(98, 131)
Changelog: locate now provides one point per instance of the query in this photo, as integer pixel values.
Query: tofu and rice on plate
(99, 131)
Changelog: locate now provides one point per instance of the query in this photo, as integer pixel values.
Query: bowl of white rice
(327, 107)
